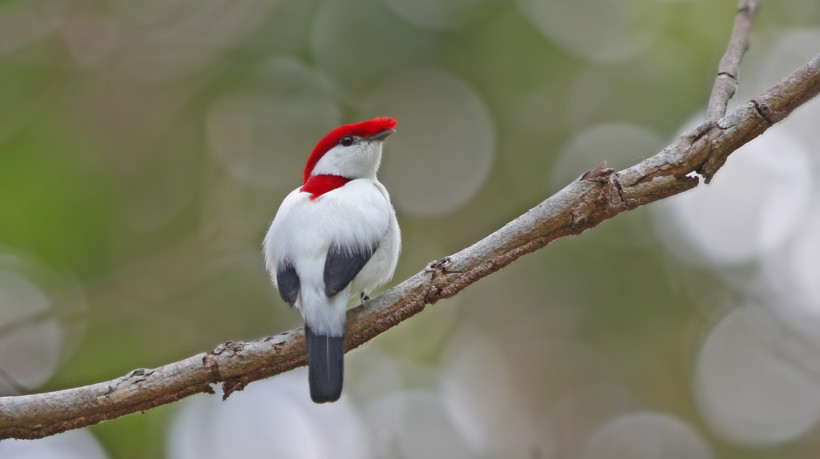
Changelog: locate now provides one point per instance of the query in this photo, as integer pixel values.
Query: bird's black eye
(347, 141)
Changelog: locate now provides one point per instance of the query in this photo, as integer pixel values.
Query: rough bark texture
(597, 196)
(729, 66)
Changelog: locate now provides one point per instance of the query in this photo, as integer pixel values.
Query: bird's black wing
(342, 265)
(287, 281)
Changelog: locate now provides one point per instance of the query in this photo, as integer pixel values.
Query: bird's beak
(380, 135)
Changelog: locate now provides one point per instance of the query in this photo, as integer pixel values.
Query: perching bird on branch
(334, 239)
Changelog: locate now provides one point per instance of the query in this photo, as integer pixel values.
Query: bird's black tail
(325, 366)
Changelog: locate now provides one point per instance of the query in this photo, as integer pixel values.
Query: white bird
(334, 239)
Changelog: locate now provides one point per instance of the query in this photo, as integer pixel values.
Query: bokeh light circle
(413, 424)
(756, 381)
(595, 30)
(29, 354)
(264, 133)
(793, 273)
(579, 413)
(619, 144)
(358, 43)
(477, 388)
(74, 444)
(435, 14)
(793, 47)
(166, 45)
(752, 205)
(39, 321)
(646, 435)
(272, 418)
(443, 150)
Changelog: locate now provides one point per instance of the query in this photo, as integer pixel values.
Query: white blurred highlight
(272, 418)
(493, 415)
(594, 30)
(751, 207)
(74, 444)
(435, 14)
(159, 50)
(466, 406)
(478, 389)
(443, 150)
(413, 424)
(646, 435)
(358, 43)
(28, 354)
(619, 144)
(33, 335)
(756, 380)
(793, 273)
(792, 49)
(374, 375)
(263, 136)
(578, 413)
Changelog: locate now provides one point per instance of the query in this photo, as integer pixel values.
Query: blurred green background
(145, 146)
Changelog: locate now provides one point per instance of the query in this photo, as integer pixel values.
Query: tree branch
(598, 196)
(729, 66)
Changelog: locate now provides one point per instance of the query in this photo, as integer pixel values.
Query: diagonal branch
(729, 66)
(771, 107)
(598, 196)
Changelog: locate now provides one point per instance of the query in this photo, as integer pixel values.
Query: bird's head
(351, 150)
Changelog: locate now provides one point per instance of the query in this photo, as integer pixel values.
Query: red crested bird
(334, 239)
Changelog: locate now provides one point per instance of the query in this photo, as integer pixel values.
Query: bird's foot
(365, 300)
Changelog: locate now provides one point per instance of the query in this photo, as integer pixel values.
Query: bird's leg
(365, 300)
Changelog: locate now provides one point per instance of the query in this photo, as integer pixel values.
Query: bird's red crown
(361, 129)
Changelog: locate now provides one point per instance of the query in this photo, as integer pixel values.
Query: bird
(334, 239)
